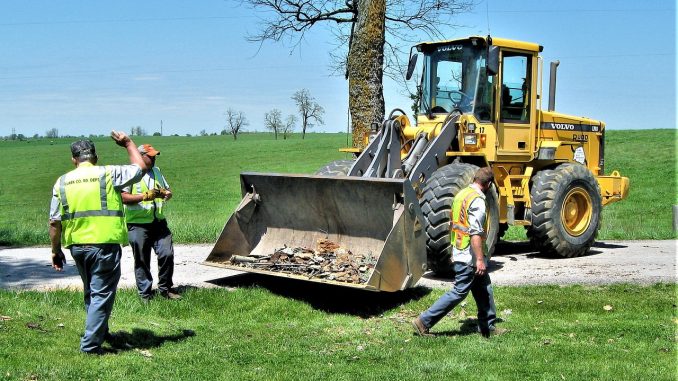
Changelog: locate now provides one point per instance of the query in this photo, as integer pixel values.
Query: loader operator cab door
(515, 134)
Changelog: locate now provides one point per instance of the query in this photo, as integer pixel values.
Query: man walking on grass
(148, 229)
(87, 217)
(470, 263)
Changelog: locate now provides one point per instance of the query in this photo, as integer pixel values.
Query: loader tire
(436, 204)
(566, 207)
(336, 168)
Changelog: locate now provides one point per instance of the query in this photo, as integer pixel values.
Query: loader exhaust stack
(374, 217)
(552, 85)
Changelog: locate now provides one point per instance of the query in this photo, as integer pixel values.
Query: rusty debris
(327, 261)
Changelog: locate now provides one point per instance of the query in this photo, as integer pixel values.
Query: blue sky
(86, 67)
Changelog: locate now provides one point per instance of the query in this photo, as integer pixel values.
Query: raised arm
(123, 140)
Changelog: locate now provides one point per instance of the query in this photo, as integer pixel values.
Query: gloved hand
(151, 194)
(162, 193)
(120, 138)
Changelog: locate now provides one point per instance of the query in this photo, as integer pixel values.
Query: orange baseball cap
(148, 150)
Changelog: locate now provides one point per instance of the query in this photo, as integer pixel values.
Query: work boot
(419, 328)
(171, 295)
(95, 352)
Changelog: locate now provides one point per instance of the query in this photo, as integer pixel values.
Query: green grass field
(312, 333)
(203, 172)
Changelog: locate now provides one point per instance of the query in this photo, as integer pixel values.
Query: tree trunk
(365, 69)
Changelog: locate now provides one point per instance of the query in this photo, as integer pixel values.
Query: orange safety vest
(460, 224)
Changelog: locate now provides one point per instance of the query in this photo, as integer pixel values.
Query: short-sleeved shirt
(121, 176)
(476, 220)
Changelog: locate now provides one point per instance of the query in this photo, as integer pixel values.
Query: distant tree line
(310, 114)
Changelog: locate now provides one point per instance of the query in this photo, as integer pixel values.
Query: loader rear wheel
(336, 168)
(566, 206)
(436, 204)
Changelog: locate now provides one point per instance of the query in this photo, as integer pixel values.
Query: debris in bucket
(327, 261)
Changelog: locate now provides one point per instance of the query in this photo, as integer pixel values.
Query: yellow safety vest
(91, 210)
(460, 224)
(145, 212)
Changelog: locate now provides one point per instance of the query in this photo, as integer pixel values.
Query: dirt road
(643, 262)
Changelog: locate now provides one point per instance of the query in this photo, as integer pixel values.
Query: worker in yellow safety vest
(147, 228)
(87, 217)
(468, 229)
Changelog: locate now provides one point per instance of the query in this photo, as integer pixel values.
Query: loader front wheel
(336, 168)
(566, 207)
(436, 204)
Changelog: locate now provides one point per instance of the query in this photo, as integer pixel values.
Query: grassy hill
(203, 173)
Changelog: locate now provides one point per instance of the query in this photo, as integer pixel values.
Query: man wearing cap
(87, 217)
(147, 228)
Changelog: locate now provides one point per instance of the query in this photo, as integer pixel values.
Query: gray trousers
(465, 281)
(143, 238)
(99, 268)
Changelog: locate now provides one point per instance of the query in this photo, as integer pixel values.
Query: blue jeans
(143, 238)
(99, 268)
(465, 281)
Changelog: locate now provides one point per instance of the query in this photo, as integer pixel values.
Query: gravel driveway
(643, 262)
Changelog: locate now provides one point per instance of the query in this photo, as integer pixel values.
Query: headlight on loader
(470, 139)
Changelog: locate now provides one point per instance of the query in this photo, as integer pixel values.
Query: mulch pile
(327, 261)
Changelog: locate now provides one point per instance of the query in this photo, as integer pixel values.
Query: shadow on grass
(328, 298)
(468, 327)
(141, 338)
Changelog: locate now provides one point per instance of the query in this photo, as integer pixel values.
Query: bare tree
(289, 125)
(137, 131)
(273, 121)
(235, 121)
(52, 133)
(376, 26)
(309, 110)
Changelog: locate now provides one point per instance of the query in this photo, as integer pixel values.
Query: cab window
(515, 88)
(484, 104)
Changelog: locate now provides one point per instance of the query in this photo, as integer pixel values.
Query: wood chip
(328, 261)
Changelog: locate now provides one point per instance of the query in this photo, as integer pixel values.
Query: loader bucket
(368, 216)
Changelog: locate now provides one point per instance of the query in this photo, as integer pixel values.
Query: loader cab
(455, 79)
(492, 82)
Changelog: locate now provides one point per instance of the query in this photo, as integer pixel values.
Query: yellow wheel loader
(479, 104)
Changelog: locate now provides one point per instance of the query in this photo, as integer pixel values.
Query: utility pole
(160, 127)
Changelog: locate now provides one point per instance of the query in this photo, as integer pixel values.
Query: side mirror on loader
(411, 65)
(492, 60)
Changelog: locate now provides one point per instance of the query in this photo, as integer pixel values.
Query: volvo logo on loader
(563, 126)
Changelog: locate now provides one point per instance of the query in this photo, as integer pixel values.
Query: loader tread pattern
(549, 188)
(336, 168)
